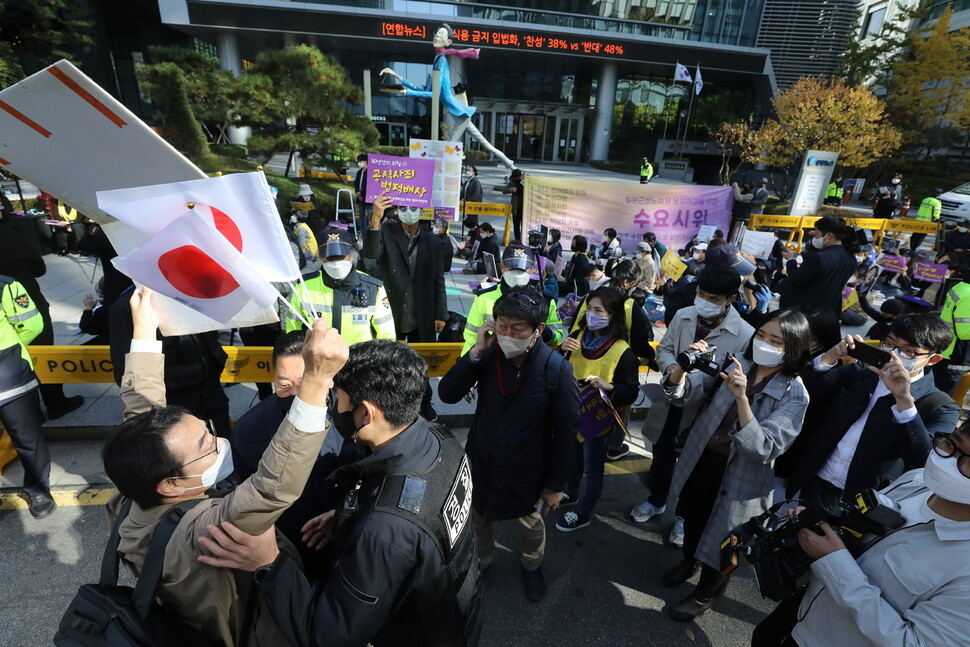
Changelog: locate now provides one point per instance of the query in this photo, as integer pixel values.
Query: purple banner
(407, 181)
(892, 263)
(596, 413)
(930, 272)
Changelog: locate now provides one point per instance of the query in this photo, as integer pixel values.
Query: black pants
(265, 335)
(664, 458)
(53, 394)
(517, 229)
(698, 497)
(22, 419)
(775, 630)
(915, 241)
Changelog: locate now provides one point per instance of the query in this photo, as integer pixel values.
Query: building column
(229, 59)
(603, 121)
(578, 153)
(555, 138)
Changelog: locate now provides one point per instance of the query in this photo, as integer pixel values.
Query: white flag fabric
(240, 206)
(682, 74)
(698, 81)
(194, 263)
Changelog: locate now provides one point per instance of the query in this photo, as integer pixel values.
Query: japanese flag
(240, 206)
(194, 263)
(682, 74)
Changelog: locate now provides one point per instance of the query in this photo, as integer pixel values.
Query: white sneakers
(645, 511)
(677, 533)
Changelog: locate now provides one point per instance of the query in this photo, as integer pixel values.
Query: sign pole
(435, 103)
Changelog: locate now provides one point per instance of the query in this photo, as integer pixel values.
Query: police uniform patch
(385, 302)
(458, 505)
(22, 301)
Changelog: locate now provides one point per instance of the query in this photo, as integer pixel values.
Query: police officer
(834, 192)
(517, 263)
(355, 303)
(956, 357)
(929, 211)
(406, 568)
(646, 171)
(20, 323)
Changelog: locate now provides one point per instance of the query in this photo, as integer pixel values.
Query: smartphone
(871, 355)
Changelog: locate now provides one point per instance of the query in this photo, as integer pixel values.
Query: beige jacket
(213, 599)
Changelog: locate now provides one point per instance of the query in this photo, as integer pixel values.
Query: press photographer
(910, 587)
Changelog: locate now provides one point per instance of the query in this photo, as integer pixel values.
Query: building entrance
(532, 132)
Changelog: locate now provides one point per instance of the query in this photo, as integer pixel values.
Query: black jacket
(382, 586)
(886, 448)
(472, 191)
(20, 260)
(426, 289)
(519, 443)
(95, 242)
(818, 283)
(447, 252)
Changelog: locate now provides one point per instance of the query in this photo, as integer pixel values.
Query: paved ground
(603, 581)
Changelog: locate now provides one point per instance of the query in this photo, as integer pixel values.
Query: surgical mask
(548, 240)
(409, 216)
(596, 322)
(220, 470)
(896, 180)
(706, 309)
(516, 278)
(697, 256)
(943, 477)
(909, 364)
(963, 230)
(818, 243)
(293, 220)
(764, 354)
(338, 270)
(605, 239)
(513, 346)
(346, 427)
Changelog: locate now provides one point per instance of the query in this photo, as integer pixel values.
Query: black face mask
(344, 422)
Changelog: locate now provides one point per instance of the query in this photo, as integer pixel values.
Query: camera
(703, 361)
(537, 239)
(771, 545)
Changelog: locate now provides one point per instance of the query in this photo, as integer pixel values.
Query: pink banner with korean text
(675, 213)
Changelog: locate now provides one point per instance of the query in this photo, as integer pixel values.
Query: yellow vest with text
(20, 323)
(604, 367)
(929, 209)
(628, 306)
(481, 312)
(373, 321)
(956, 312)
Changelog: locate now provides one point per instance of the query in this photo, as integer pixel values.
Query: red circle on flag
(227, 227)
(193, 273)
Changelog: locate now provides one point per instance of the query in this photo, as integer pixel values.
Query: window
(873, 22)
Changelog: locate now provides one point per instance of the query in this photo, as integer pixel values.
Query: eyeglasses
(908, 353)
(210, 428)
(944, 446)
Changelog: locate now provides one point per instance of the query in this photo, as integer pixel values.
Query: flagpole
(683, 143)
(293, 309)
(666, 121)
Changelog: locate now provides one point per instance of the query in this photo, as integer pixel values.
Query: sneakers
(41, 505)
(567, 500)
(535, 584)
(615, 454)
(677, 533)
(572, 521)
(645, 511)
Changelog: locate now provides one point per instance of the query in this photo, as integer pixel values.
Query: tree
(817, 115)
(166, 85)
(870, 60)
(298, 99)
(734, 140)
(930, 89)
(36, 33)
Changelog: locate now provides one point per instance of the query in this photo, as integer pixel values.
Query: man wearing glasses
(882, 421)
(909, 587)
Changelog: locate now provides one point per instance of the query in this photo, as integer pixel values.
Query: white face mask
(697, 256)
(338, 270)
(516, 278)
(219, 470)
(909, 364)
(548, 240)
(818, 243)
(896, 180)
(706, 309)
(293, 220)
(942, 477)
(764, 354)
(513, 346)
(963, 230)
(409, 216)
(605, 239)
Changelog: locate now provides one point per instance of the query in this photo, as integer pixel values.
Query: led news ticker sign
(505, 38)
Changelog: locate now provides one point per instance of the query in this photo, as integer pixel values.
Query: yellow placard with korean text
(672, 266)
(486, 208)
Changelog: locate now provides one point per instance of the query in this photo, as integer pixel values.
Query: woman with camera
(601, 359)
(724, 476)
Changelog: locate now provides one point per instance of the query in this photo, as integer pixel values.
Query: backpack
(106, 613)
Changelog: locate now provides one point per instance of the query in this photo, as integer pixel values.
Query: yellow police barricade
(7, 452)
(491, 209)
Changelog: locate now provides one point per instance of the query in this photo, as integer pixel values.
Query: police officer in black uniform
(405, 570)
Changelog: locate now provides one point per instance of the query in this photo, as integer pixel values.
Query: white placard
(758, 243)
(706, 233)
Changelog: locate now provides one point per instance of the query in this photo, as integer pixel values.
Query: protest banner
(71, 139)
(671, 265)
(585, 207)
(446, 188)
(892, 263)
(596, 412)
(758, 243)
(930, 272)
(408, 182)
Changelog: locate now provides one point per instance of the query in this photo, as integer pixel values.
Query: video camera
(773, 549)
(703, 361)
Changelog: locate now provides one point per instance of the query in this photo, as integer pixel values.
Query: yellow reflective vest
(20, 323)
(357, 307)
(929, 209)
(956, 312)
(481, 312)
